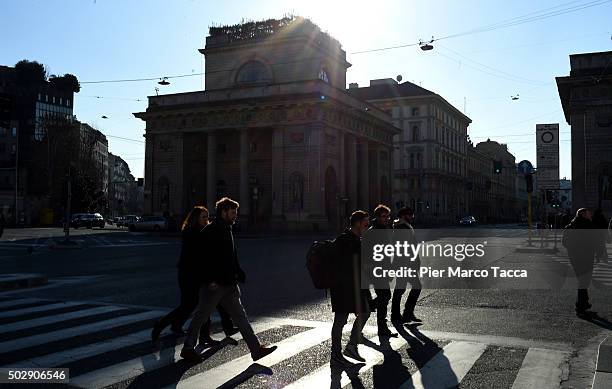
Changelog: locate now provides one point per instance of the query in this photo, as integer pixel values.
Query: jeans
(228, 297)
(382, 301)
(411, 301)
(340, 319)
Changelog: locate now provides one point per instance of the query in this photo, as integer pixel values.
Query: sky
(99, 40)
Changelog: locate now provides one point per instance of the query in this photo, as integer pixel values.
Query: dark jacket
(346, 293)
(191, 260)
(579, 238)
(222, 264)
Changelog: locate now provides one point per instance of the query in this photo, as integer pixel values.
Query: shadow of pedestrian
(434, 368)
(253, 370)
(163, 356)
(391, 373)
(352, 373)
(599, 321)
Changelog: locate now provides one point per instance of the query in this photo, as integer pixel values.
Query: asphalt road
(498, 329)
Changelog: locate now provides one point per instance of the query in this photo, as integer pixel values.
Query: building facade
(479, 184)
(586, 97)
(274, 129)
(24, 109)
(120, 186)
(94, 145)
(430, 153)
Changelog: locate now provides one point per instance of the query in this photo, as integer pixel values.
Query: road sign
(547, 150)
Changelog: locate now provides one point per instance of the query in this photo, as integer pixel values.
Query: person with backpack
(346, 293)
(404, 218)
(190, 265)
(221, 276)
(382, 221)
(579, 238)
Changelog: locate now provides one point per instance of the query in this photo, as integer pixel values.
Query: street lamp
(426, 46)
(163, 81)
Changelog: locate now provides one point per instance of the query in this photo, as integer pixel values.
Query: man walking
(346, 293)
(403, 222)
(579, 239)
(382, 221)
(220, 287)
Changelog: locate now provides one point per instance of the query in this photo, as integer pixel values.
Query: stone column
(211, 171)
(278, 208)
(364, 184)
(342, 173)
(244, 173)
(351, 171)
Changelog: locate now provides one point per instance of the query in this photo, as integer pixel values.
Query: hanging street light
(164, 81)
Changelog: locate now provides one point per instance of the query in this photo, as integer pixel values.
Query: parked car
(150, 223)
(89, 220)
(468, 221)
(129, 221)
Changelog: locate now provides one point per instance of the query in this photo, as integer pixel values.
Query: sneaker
(385, 331)
(351, 351)
(190, 354)
(262, 352)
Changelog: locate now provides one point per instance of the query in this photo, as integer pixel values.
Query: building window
(415, 111)
(253, 72)
(415, 134)
(253, 147)
(2, 147)
(411, 161)
(14, 131)
(3, 131)
(221, 149)
(297, 190)
(67, 102)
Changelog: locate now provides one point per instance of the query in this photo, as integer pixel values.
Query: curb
(23, 280)
(603, 371)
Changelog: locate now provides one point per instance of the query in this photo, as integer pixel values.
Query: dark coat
(222, 264)
(580, 240)
(191, 260)
(346, 293)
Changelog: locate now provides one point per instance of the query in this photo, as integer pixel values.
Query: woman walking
(190, 275)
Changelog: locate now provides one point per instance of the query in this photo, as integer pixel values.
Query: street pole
(529, 215)
(16, 175)
(68, 202)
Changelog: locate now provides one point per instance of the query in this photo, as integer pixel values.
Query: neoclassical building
(274, 129)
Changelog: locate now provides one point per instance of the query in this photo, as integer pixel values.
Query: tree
(68, 82)
(30, 73)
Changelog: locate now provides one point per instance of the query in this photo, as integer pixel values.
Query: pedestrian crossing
(109, 346)
(602, 272)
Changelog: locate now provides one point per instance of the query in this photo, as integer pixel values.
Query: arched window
(253, 72)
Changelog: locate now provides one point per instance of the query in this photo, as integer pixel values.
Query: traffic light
(497, 167)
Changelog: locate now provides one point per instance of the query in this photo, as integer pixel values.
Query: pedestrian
(382, 221)
(220, 283)
(403, 222)
(346, 293)
(600, 222)
(579, 239)
(190, 269)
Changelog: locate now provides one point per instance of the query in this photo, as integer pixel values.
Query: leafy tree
(67, 82)
(30, 72)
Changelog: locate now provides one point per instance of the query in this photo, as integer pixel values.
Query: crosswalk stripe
(286, 349)
(447, 368)
(146, 363)
(11, 303)
(41, 308)
(36, 340)
(321, 377)
(71, 355)
(541, 369)
(22, 325)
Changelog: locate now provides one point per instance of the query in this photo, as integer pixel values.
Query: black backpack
(319, 262)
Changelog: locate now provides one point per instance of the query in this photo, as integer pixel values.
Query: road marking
(22, 325)
(11, 303)
(146, 363)
(36, 340)
(321, 377)
(541, 369)
(447, 368)
(43, 308)
(287, 348)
